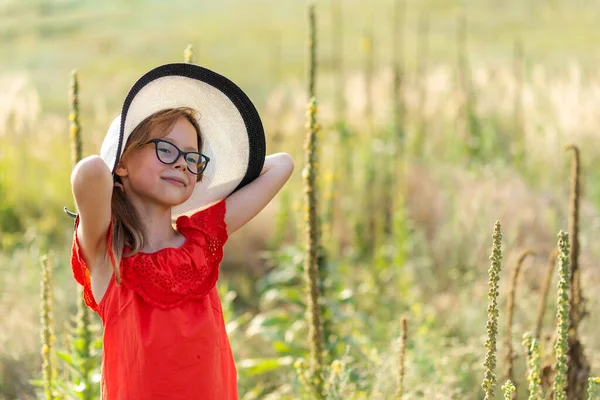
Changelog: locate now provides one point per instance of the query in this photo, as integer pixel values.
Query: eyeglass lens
(168, 154)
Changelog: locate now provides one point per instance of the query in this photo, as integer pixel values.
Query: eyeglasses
(168, 153)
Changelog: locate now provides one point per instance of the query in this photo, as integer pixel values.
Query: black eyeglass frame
(185, 153)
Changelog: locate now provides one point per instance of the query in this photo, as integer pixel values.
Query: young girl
(187, 148)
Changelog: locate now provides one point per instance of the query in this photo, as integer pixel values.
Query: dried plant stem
(188, 54)
(312, 251)
(312, 52)
(509, 390)
(396, 137)
(367, 225)
(594, 388)
(562, 314)
(574, 282)
(83, 330)
(371, 161)
(398, 72)
(578, 368)
(402, 359)
(75, 125)
(315, 328)
(489, 380)
(544, 293)
(47, 332)
(510, 309)
(532, 350)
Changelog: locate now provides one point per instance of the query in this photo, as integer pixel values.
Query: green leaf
(66, 357)
(78, 344)
(268, 319)
(70, 362)
(257, 366)
(286, 349)
(66, 391)
(288, 295)
(37, 382)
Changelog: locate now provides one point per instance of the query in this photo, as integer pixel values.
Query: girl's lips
(174, 181)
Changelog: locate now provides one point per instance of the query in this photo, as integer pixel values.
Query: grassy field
(457, 174)
(110, 42)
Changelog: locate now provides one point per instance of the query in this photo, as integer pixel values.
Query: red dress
(164, 333)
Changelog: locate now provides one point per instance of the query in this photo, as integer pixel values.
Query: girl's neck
(158, 230)
(159, 237)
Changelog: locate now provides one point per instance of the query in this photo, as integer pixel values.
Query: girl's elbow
(279, 164)
(287, 163)
(90, 169)
(290, 162)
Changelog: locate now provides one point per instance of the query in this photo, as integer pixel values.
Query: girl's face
(145, 176)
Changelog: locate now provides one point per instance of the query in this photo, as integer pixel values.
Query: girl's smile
(175, 181)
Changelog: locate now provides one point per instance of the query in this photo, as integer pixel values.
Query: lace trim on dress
(170, 276)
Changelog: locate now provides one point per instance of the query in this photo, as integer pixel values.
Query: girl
(187, 150)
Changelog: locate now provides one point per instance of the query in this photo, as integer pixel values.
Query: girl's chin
(169, 199)
(174, 201)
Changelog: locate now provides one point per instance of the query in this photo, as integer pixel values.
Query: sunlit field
(433, 121)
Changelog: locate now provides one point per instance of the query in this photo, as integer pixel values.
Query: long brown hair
(127, 227)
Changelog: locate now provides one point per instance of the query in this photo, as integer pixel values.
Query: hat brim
(231, 129)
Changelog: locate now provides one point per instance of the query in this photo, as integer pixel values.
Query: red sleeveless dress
(164, 333)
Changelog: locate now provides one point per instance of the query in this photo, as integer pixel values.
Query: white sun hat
(231, 129)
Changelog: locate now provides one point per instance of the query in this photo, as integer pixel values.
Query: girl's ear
(121, 170)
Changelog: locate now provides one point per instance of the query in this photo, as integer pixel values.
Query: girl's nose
(180, 162)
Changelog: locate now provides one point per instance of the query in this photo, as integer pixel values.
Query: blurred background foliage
(491, 92)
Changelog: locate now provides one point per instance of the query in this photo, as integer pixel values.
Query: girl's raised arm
(92, 186)
(244, 204)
